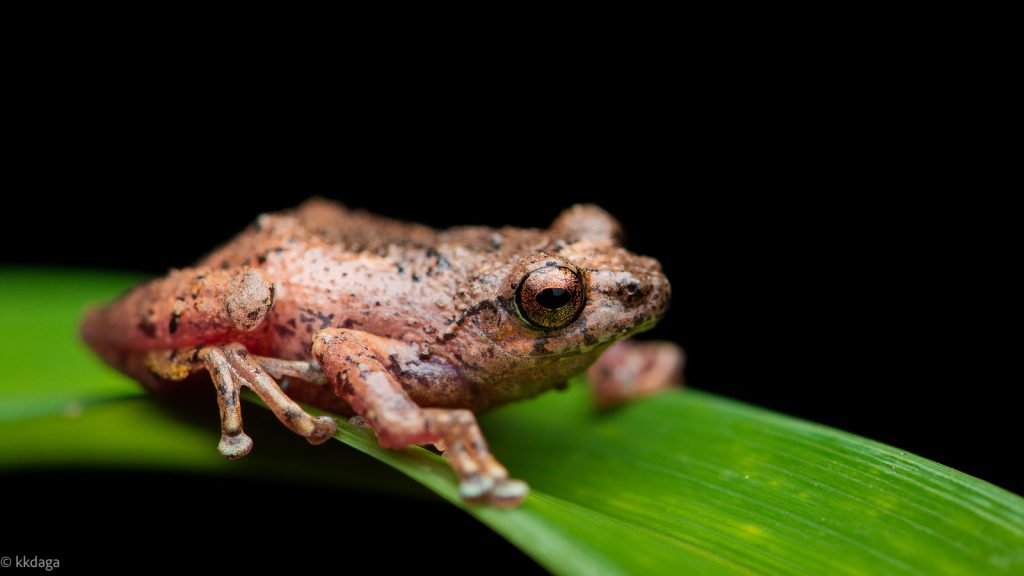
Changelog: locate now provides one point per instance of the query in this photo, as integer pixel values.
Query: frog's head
(584, 290)
(559, 306)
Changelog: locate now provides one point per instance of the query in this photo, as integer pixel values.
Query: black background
(821, 264)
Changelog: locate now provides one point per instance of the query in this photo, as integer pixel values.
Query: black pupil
(553, 298)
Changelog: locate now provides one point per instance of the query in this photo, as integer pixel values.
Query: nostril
(634, 291)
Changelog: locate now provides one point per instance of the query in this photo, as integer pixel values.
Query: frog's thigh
(188, 307)
(631, 369)
(356, 364)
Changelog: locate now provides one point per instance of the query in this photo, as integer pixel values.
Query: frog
(407, 329)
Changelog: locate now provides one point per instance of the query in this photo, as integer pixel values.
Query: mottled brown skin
(409, 327)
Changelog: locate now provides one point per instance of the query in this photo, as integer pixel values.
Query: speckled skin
(432, 313)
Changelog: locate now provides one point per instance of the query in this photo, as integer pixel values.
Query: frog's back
(335, 267)
(322, 224)
(317, 224)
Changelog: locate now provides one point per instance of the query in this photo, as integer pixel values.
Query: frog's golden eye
(550, 297)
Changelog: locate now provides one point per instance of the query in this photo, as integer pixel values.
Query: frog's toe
(508, 492)
(234, 446)
(359, 422)
(503, 492)
(325, 428)
(475, 487)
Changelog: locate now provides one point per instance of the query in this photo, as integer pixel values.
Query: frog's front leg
(631, 369)
(357, 364)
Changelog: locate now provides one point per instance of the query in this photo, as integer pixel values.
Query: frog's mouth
(643, 327)
(554, 345)
(621, 335)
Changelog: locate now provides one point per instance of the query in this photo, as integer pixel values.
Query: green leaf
(684, 482)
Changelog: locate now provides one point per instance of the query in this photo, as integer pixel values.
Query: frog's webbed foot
(356, 364)
(631, 369)
(232, 367)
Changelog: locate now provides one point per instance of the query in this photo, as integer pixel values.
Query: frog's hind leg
(232, 367)
(247, 370)
(303, 370)
(234, 443)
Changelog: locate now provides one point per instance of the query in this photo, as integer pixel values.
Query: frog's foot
(481, 477)
(356, 363)
(632, 369)
(232, 367)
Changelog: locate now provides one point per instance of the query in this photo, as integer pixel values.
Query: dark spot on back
(147, 327)
(270, 298)
(325, 319)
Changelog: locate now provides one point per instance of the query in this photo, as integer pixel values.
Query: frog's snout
(643, 290)
(650, 293)
(640, 296)
(635, 291)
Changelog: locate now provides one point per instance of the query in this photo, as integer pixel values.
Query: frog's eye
(550, 297)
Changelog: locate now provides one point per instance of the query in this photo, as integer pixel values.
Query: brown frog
(411, 328)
